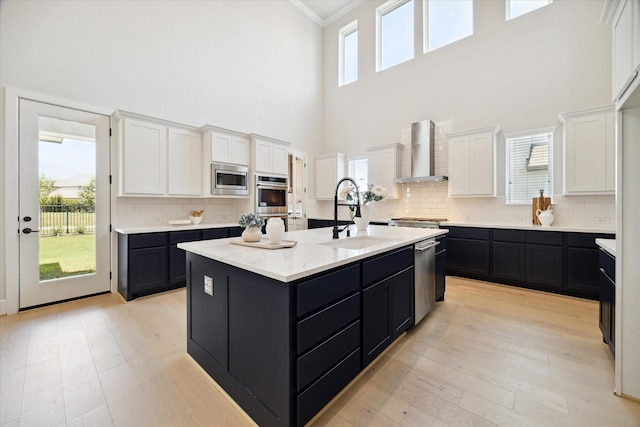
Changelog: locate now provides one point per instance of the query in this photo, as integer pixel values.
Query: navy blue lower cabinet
(149, 263)
(508, 261)
(468, 250)
(544, 265)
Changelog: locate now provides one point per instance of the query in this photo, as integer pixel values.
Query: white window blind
(529, 166)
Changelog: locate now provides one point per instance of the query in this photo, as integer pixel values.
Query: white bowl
(196, 219)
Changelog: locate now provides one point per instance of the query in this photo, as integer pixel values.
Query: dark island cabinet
(441, 267)
(607, 318)
(387, 301)
(553, 261)
(282, 351)
(149, 263)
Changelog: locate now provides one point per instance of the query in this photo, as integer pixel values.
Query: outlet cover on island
(208, 285)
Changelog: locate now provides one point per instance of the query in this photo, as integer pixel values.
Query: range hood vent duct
(422, 153)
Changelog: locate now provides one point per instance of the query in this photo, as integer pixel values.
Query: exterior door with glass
(64, 206)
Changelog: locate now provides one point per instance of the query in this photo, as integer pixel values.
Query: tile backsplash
(149, 211)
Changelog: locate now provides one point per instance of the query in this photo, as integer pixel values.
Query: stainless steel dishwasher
(425, 277)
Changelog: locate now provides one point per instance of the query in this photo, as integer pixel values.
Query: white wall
(518, 74)
(250, 66)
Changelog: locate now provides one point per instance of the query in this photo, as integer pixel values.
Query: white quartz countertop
(529, 227)
(609, 245)
(167, 227)
(310, 255)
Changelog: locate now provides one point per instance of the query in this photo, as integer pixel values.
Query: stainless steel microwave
(229, 180)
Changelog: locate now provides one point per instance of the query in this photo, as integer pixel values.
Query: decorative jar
(275, 229)
(252, 234)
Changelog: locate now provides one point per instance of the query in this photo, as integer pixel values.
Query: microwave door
(231, 180)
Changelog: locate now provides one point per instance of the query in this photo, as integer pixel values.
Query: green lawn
(63, 256)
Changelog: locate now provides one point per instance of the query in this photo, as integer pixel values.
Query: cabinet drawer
(586, 240)
(386, 265)
(478, 233)
(147, 240)
(326, 354)
(608, 263)
(460, 232)
(235, 231)
(176, 237)
(324, 323)
(215, 233)
(326, 387)
(553, 238)
(515, 236)
(318, 292)
(442, 246)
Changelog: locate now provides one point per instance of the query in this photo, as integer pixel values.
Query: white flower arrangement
(374, 193)
(251, 220)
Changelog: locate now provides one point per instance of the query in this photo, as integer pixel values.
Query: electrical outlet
(602, 221)
(208, 285)
(520, 218)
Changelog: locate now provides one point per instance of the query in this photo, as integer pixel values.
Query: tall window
(446, 22)
(348, 54)
(517, 8)
(529, 165)
(394, 39)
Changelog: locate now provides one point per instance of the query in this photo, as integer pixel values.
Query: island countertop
(312, 253)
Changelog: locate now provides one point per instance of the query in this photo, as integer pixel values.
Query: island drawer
(327, 353)
(386, 265)
(608, 264)
(327, 386)
(320, 291)
(325, 322)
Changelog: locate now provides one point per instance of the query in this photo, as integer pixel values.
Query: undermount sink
(358, 242)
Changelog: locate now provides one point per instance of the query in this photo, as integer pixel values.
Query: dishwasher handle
(424, 248)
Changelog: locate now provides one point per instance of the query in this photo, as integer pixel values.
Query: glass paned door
(64, 203)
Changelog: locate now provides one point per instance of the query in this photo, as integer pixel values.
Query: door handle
(27, 230)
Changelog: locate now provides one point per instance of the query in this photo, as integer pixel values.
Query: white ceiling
(324, 12)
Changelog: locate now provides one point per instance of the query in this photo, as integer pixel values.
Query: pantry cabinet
(589, 151)
(157, 158)
(472, 164)
(330, 169)
(228, 146)
(384, 164)
(270, 156)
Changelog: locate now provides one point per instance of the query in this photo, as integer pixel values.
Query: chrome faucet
(336, 230)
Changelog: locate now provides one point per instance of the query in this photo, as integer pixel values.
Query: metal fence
(67, 219)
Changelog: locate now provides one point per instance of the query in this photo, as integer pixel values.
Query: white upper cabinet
(330, 169)
(270, 156)
(589, 151)
(472, 162)
(157, 158)
(184, 171)
(384, 164)
(143, 159)
(624, 16)
(228, 146)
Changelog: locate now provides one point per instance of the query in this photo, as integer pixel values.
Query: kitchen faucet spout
(336, 230)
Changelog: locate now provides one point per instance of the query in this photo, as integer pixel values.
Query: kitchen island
(283, 331)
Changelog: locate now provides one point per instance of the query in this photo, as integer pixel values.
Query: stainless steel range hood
(422, 154)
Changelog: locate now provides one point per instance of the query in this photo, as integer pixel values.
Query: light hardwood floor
(489, 355)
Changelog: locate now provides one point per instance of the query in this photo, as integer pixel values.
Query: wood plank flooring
(490, 355)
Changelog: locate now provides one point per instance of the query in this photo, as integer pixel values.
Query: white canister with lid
(275, 229)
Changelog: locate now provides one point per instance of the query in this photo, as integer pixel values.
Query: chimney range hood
(422, 154)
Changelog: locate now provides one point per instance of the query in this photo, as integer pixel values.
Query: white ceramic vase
(545, 217)
(363, 222)
(252, 234)
(275, 229)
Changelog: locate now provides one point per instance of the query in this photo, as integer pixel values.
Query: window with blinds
(529, 165)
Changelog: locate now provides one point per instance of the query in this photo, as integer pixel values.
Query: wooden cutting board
(535, 205)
